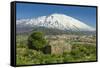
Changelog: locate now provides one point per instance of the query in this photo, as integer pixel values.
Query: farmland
(83, 48)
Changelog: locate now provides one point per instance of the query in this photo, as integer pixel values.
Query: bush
(36, 41)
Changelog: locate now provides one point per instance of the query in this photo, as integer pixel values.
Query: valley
(79, 48)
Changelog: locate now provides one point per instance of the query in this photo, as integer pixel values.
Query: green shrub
(36, 41)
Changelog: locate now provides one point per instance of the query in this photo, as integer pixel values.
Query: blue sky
(85, 14)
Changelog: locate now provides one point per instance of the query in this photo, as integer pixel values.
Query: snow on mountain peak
(58, 21)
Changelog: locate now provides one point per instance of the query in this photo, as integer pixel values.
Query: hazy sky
(85, 14)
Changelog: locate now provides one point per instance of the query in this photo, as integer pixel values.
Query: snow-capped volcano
(56, 21)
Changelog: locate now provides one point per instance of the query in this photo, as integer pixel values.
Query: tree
(37, 41)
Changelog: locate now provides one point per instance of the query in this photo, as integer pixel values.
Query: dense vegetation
(80, 52)
(36, 41)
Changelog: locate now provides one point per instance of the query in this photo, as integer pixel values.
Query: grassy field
(79, 52)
